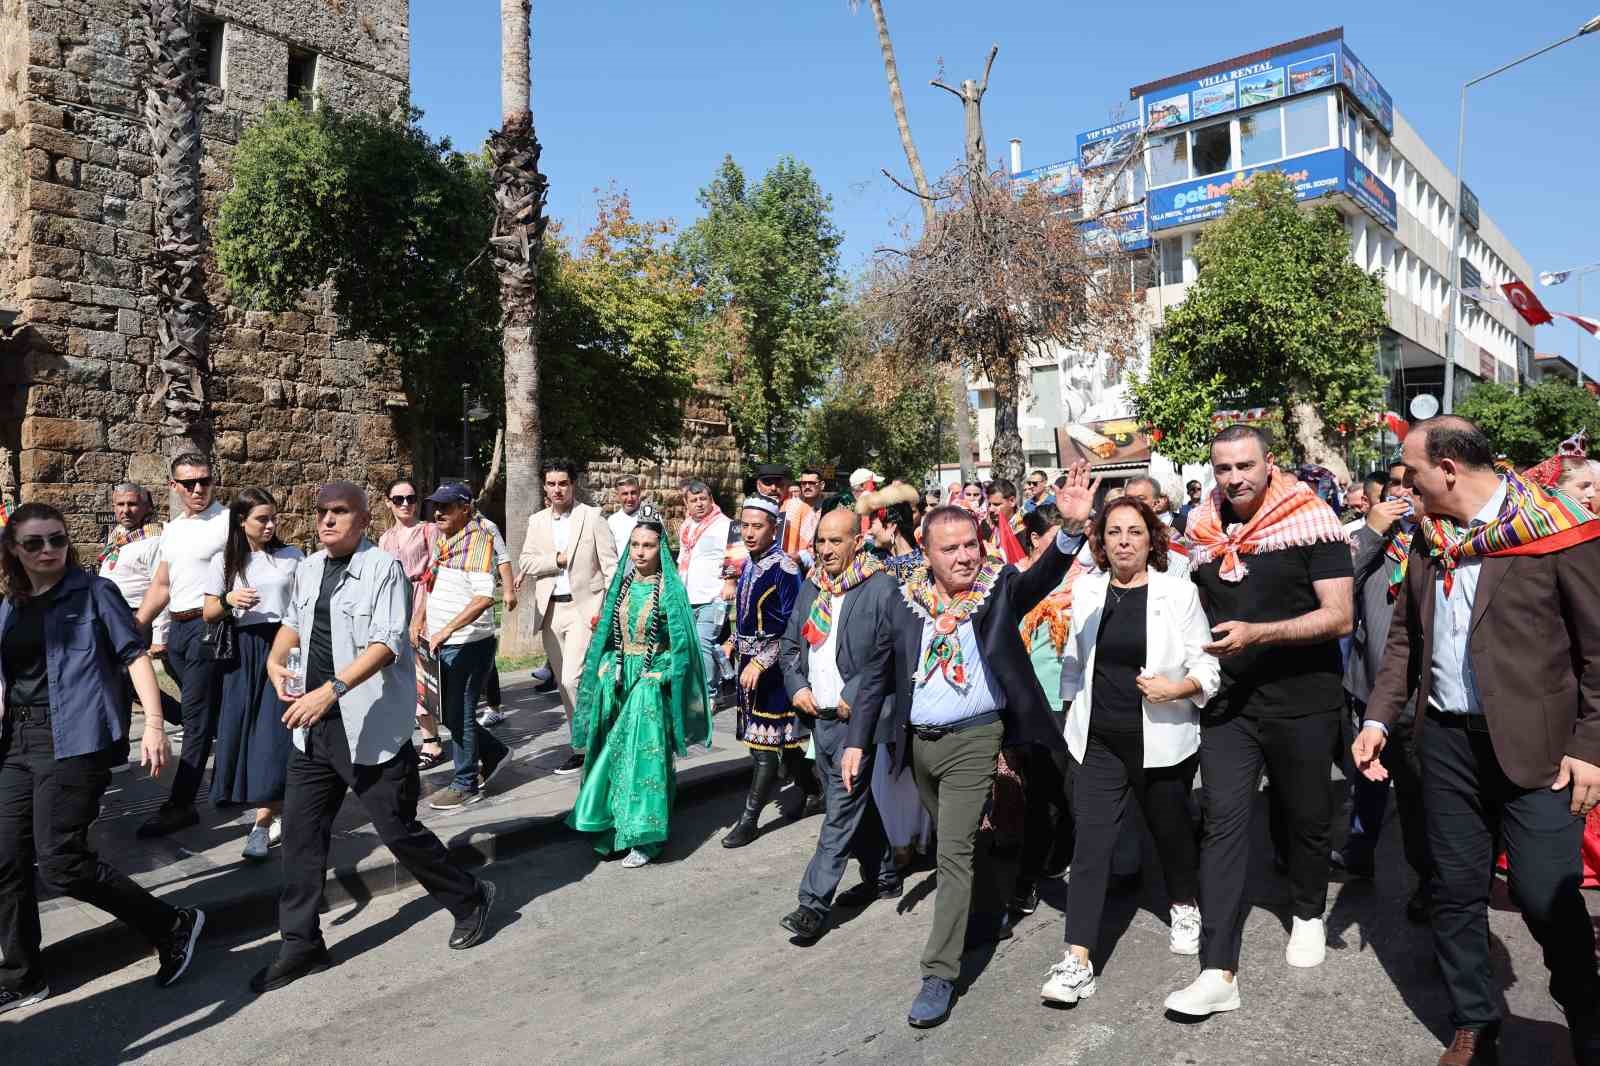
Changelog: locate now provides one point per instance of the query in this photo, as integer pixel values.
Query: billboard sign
(1127, 230)
(1109, 144)
(1469, 207)
(1365, 88)
(1333, 170)
(1061, 179)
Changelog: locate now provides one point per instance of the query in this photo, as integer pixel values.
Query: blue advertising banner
(1109, 144)
(1365, 88)
(1059, 179)
(1318, 174)
(1126, 229)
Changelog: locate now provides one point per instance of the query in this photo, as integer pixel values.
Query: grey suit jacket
(864, 611)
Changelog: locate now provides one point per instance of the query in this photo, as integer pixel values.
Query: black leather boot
(762, 782)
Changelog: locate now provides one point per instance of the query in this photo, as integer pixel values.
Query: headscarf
(1548, 473)
(1290, 516)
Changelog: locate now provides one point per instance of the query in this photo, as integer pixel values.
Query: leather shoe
(867, 893)
(168, 820)
(470, 930)
(286, 971)
(805, 923)
(1472, 1047)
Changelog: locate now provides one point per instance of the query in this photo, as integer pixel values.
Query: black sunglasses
(35, 545)
(191, 483)
(403, 501)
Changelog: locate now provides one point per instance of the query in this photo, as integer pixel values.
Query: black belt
(831, 714)
(938, 732)
(1472, 723)
(561, 597)
(32, 712)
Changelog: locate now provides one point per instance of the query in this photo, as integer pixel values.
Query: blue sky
(651, 96)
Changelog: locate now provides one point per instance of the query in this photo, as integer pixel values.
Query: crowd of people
(986, 679)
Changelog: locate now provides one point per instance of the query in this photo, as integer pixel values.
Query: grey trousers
(850, 824)
(954, 775)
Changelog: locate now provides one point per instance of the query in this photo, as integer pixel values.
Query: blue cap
(451, 492)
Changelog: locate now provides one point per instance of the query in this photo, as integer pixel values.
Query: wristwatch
(339, 688)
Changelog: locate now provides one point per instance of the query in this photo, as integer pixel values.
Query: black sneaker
(1026, 900)
(14, 999)
(806, 924)
(284, 972)
(168, 820)
(177, 949)
(470, 930)
(573, 764)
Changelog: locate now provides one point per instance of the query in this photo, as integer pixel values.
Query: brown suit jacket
(1535, 643)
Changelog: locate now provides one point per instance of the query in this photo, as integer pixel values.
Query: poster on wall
(1312, 74)
(1213, 100)
(1058, 180)
(1173, 111)
(1260, 88)
(1365, 88)
(1109, 144)
(1116, 441)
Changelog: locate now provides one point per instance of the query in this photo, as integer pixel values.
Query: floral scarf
(944, 650)
(1291, 516)
(123, 538)
(820, 620)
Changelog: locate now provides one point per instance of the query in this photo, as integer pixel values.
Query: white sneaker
(635, 859)
(256, 844)
(1070, 980)
(491, 716)
(1208, 994)
(1184, 936)
(275, 834)
(1308, 943)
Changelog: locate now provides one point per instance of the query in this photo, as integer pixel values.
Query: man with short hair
(1496, 639)
(1037, 492)
(948, 685)
(1273, 567)
(352, 713)
(825, 650)
(128, 560)
(626, 516)
(1369, 494)
(1003, 503)
(1193, 489)
(702, 550)
(183, 562)
(772, 481)
(569, 553)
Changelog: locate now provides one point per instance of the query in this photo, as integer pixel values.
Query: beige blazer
(591, 560)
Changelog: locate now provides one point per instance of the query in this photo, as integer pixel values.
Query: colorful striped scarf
(1533, 520)
(471, 549)
(1291, 516)
(108, 554)
(944, 650)
(1396, 554)
(820, 620)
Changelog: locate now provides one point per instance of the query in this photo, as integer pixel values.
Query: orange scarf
(1290, 516)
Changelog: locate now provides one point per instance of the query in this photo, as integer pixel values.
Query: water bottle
(295, 683)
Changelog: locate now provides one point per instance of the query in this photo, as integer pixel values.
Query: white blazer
(1176, 629)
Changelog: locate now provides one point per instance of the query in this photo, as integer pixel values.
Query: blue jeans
(707, 626)
(462, 670)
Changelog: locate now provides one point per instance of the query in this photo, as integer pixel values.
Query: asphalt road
(684, 962)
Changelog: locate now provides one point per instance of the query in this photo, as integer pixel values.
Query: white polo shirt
(188, 544)
(132, 571)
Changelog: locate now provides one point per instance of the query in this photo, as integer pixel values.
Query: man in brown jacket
(1496, 632)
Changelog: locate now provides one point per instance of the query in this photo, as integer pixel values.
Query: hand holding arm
(1332, 619)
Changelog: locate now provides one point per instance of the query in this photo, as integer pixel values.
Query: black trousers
(1298, 754)
(201, 685)
(1111, 773)
(1467, 802)
(850, 825)
(318, 780)
(46, 808)
(1047, 827)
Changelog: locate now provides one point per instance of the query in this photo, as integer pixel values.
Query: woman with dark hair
(414, 542)
(68, 644)
(642, 700)
(251, 580)
(892, 527)
(1136, 674)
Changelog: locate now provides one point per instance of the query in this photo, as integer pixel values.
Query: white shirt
(622, 523)
(826, 684)
(188, 544)
(502, 554)
(270, 574)
(1454, 688)
(560, 535)
(704, 580)
(132, 572)
(452, 590)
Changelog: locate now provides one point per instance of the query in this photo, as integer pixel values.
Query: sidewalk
(202, 866)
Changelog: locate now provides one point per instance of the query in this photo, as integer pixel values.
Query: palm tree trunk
(520, 191)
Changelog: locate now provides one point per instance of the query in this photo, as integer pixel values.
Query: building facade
(1309, 108)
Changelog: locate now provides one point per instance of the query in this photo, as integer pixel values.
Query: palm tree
(519, 191)
(183, 314)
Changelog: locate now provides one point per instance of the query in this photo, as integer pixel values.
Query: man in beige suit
(571, 556)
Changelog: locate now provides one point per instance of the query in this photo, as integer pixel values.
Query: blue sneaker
(932, 1005)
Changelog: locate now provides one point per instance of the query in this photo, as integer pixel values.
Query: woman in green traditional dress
(641, 701)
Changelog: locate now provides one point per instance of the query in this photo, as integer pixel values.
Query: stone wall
(292, 402)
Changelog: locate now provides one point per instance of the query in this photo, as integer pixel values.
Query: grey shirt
(370, 605)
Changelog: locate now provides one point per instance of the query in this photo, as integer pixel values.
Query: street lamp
(470, 413)
(1451, 344)
(1557, 277)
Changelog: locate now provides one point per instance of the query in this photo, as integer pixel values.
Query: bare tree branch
(937, 84)
(983, 86)
(913, 192)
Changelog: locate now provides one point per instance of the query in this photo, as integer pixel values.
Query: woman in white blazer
(1134, 676)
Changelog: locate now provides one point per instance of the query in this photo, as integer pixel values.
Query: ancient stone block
(61, 434)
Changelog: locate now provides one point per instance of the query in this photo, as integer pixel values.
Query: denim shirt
(371, 605)
(90, 637)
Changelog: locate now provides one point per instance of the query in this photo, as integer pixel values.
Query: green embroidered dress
(641, 701)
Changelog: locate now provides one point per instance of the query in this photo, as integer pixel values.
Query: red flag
(1526, 303)
(1591, 325)
(1010, 546)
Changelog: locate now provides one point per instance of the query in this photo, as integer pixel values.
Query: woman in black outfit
(1136, 674)
(67, 643)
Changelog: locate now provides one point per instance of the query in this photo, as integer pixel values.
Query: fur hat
(886, 497)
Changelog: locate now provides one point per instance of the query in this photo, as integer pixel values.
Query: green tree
(1528, 426)
(1279, 317)
(766, 259)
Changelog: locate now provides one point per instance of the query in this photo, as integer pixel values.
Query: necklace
(1118, 595)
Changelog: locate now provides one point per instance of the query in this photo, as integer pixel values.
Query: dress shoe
(867, 893)
(814, 805)
(285, 971)
(1472, 1047)
(168, 820)
(470, 930)
(805, 923)
(932, 1005)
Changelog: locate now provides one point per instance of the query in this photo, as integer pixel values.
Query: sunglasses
(190, 484)
(35, 545)
(403, 501)
(811, 484)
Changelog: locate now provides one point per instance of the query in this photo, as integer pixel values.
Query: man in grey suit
(828, 643)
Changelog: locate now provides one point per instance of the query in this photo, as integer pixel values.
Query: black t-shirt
(319, 654)
(27, 669)
(1118, 658)
(1276, 679)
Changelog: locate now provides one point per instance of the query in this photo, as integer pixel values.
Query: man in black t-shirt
(1274, 573)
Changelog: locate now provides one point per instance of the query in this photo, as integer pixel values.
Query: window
(302, 76)
(1261, 137)
(1169, 160)
(1305, 125)
(1171, 260)
(210, 38)
(1213, 149)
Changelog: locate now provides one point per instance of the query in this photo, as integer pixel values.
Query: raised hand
(1075, 500)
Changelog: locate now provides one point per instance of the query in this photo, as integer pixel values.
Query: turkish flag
(1526, 303)
(1590, 324)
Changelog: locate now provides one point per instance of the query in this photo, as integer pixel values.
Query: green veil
(683, 684)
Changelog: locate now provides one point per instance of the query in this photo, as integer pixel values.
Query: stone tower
(291, 401)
